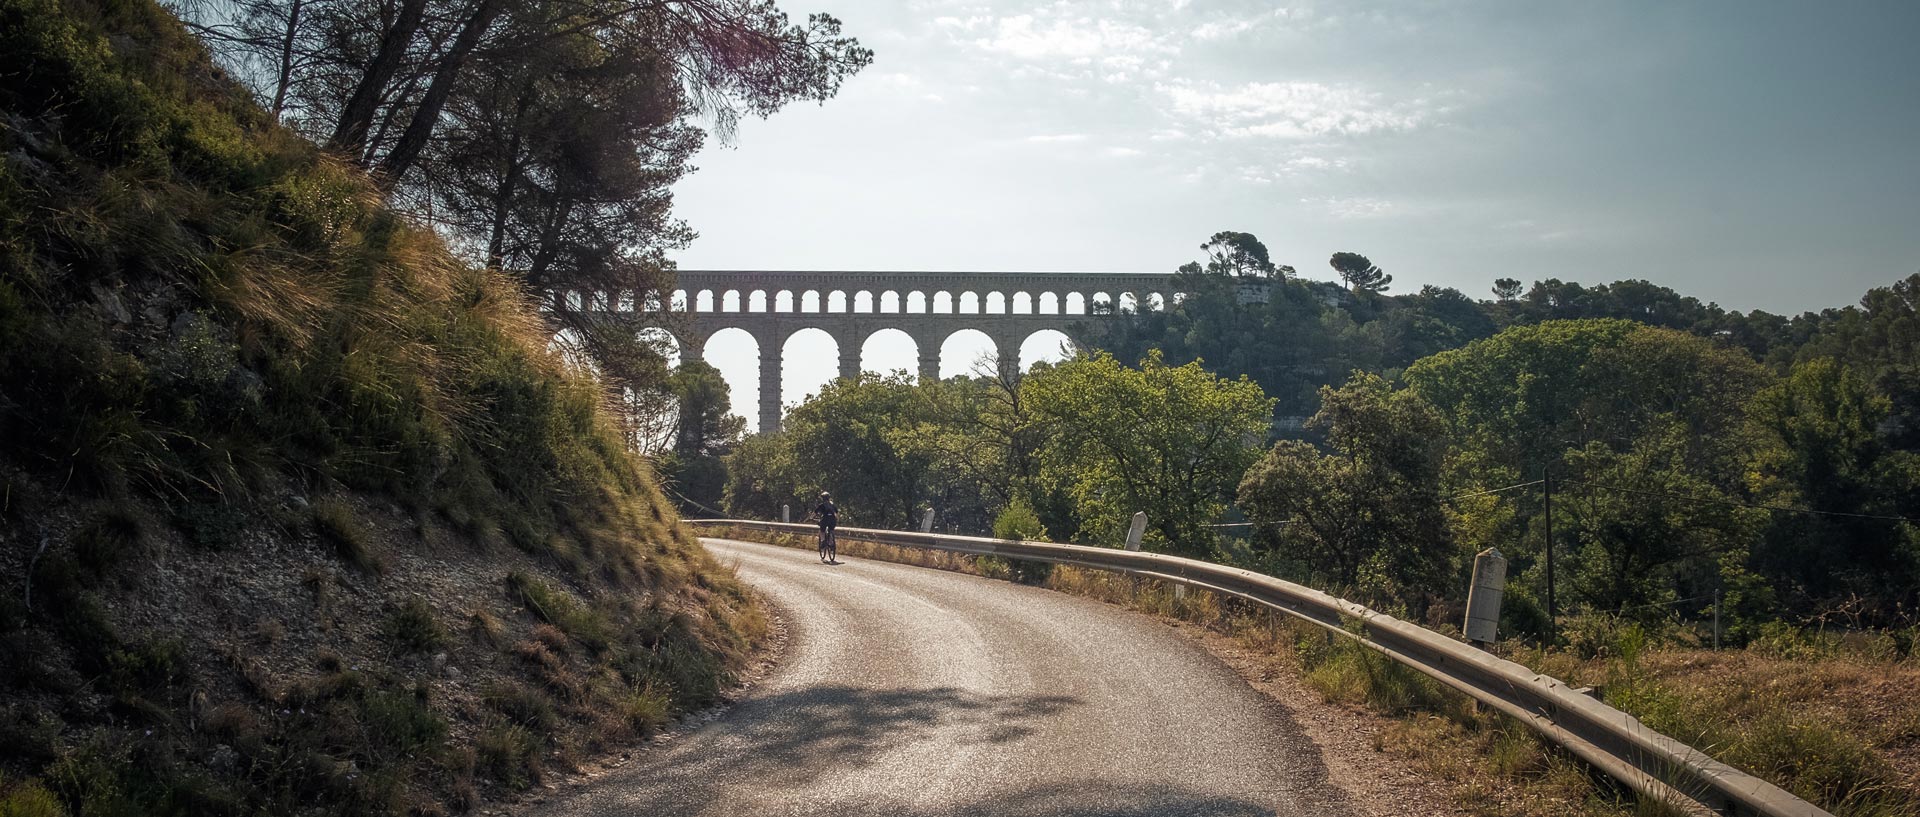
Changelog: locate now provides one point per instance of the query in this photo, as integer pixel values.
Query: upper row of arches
(866, 301)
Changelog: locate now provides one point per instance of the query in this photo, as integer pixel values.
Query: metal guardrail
(1653, 764)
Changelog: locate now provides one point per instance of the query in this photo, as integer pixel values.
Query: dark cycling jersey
(829, 514)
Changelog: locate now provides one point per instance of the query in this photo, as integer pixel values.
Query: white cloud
(1121, 152)
(1081, 38)
(1294, 110)
(1235, 26)
(1353, 207)
(1044, 138)
(973, 23)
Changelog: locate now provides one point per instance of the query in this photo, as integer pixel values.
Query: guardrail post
(1483, 597)
(786, 513)
(926, 521)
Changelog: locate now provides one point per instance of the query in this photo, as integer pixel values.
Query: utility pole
(1716, 620)
(1553, 610)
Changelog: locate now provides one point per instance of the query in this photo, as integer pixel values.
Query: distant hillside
(297, 512)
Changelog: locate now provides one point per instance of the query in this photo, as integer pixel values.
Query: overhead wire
(718, 514)
(1737, 503)
(1492, 491)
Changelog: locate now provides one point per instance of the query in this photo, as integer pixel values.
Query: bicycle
(829, 549)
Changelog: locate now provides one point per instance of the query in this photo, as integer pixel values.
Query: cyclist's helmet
(825, 495)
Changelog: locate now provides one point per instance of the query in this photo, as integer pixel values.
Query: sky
(1758, 154)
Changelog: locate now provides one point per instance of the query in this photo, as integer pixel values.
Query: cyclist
(829, 515)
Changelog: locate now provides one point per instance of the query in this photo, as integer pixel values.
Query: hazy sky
(1757, 154)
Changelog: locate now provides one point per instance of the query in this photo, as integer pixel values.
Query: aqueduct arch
(929, 307)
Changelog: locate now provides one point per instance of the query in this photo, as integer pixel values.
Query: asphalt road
(923, 693)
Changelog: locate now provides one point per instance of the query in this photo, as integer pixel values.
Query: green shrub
(1344, 670)
(1020, 523)
(646, 708)
(522, 704)
(340, 526)
(413, 628)
(28, 799)
(399, 724)
(559, 608)
(510, 754)
(149, 669)
(110, 538)
(213, 526)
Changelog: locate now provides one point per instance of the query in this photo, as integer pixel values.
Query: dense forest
(1371, 443)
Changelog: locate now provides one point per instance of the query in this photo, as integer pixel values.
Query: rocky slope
(298, 515)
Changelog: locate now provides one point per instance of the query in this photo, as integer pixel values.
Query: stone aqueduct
(851, 306)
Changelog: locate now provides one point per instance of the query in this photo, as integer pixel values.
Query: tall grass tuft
(340, 526)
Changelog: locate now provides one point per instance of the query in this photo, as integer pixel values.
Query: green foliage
(1236, 253)
(1359, 272)
(399, 724)
(1300, 336)
(1826, 453)
(1650, 532)
(28, 799)
(109, 539)
(705, 430)
(1645, 431)
(214, 526)
(1822, 764)
(1365, 518)
(339, 525)
(762, 476)
(559, 608)
(147, 670)
(1168, 440)
(510, 754)
(1879, 339)
(1346, 671)
(646, 708)
(413, 627)
(1794, 749)
(1018, 522)
(860, 439)
(524, 705)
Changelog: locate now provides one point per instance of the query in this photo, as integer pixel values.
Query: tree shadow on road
(850, 726)
(842, 750)
(1090, 799)
(818, 739)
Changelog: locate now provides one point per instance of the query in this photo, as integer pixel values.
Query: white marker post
(786, 513)
(926, 521)
(1137, 530)
(1483, 598)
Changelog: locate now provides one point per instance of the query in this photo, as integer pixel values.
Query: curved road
(924, 693)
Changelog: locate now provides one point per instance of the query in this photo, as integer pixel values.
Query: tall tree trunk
(350, 133)
(286, 59)
(503, 195)
(425, 117)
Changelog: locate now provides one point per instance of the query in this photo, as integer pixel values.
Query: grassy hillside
(297, 512)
